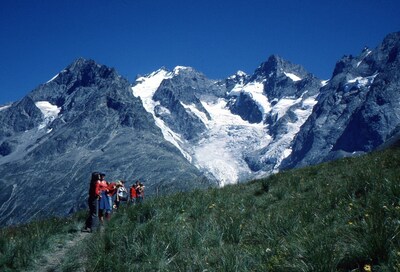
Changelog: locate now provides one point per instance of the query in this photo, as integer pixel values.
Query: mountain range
(177, 130)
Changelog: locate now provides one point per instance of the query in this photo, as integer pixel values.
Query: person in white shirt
(122, 193)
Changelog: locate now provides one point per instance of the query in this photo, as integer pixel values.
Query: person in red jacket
(112, 189)
(94, 194)
(139, 192)
(104, 203)
(132, 194)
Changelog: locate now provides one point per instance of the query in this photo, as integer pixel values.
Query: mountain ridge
(179, 130)
(358, 107)
(100, 126)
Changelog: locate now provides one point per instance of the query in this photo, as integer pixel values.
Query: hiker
(133, 194)
(140, 192)
(112, 189)
(94, 194)
(104, 203)
(122, 193)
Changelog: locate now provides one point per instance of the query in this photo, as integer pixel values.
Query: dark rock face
(275, 75)
(185, 88)
(181, 121)
(45, 166)
(247, 108)
(290, 91)
(277, 83)
(23, 115)
(357, 111)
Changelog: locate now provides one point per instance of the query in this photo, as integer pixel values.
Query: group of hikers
(104, 197)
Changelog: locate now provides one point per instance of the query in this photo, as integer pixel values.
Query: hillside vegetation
(337, 216)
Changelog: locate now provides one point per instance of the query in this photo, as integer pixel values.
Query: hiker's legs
(95, 222)
(110, 203)
(108, 215)
(101, 215)
(90, 220)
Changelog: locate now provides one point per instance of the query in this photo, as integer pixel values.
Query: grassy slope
(338, 216)
(22, 246)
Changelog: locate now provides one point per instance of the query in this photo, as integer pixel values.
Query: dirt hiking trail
(53, 259)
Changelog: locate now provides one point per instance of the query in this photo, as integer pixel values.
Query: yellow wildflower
(367, 268)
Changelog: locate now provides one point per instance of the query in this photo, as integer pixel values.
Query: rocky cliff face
(358, 109)
(185, 87)
(85, 119)
(279, 95)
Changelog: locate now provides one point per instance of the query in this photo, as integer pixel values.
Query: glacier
(221, 150)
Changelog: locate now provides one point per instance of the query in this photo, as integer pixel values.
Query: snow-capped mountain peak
(238, 74)
(178, 69)
(224, 128)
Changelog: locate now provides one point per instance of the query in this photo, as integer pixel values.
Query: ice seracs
(359, 82)
(49, 111)
(229, 136)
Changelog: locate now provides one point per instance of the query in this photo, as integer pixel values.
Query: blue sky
(40, 38)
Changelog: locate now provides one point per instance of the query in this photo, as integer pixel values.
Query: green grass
(21, 245)
(337, 216)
